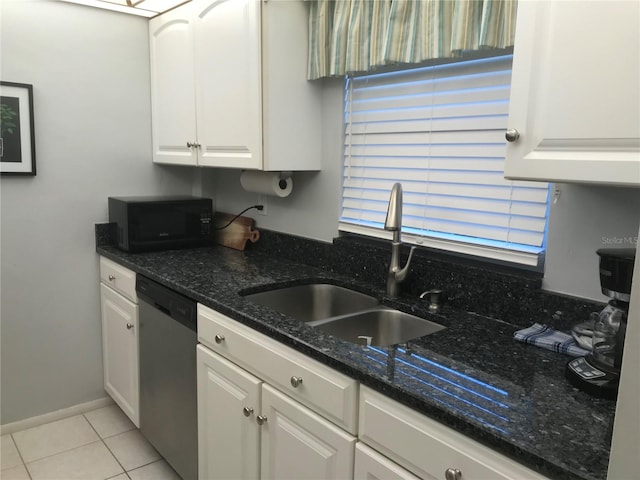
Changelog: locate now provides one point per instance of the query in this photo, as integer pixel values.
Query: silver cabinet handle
(247, 411)
(219, 339)
(512, 135)
(261, 419)
(296, 381)
(452, 474)
(129, 326)
(112, 278)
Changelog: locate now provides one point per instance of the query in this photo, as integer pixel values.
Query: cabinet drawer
(121, 279)
(427, 448)
(370, 465)
(322, 389)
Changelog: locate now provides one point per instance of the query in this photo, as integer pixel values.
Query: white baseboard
(53, 416)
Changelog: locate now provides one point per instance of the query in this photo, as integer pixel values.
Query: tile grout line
(58, 453)
(114, 455)
(161, 459)
(107, 447)
(100, 439)
(53, 454)
(24, 464)
(115, 476)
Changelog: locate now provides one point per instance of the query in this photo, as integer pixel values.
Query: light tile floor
(98, 445)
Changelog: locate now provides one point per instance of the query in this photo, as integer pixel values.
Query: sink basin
(312, 302)
(379, 327)
(346, 314)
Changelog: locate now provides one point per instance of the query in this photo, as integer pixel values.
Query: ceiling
(144, 8)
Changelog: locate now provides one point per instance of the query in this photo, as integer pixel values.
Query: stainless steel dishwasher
(168, 400)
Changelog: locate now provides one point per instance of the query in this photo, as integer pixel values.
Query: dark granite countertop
(471, 376)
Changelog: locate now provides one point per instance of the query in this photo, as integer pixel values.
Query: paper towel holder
(274, 183)
(284, 178)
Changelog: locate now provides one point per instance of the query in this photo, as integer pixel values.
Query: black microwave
(161, 223)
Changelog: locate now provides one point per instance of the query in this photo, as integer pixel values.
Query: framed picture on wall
(17, 140)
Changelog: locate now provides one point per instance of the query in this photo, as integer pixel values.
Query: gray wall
(90, 73)
(313, 207)
(584, 218)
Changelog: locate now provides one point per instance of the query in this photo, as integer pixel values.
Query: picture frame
(17, 138)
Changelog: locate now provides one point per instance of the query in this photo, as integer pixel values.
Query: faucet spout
(393, 222)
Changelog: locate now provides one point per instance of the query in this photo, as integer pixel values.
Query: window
(439, 131)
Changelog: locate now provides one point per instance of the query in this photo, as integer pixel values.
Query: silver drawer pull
(129, 326)
(296, 381)
(219, 339)
(247, 411)
(452, 474)
(261, 419)
(112, 278)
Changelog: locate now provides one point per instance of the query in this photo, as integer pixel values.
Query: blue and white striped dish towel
(546, 337)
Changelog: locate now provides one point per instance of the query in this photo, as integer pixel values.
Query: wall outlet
(262, 200)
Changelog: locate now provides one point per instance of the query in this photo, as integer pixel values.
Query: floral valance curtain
(348, 36)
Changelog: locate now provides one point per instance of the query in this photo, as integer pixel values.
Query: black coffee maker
(598, 373)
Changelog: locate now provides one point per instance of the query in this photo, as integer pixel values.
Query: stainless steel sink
(346, 314)
(379, 327)
(312, 302)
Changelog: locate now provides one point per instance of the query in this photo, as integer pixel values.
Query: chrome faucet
(396, 275)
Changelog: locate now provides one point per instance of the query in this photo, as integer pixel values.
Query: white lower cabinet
(328, 393)
(267, 411)
(427, 448)
(228, 434)
(370, 465)
(120, 350)
(297, 443)
(247, 429)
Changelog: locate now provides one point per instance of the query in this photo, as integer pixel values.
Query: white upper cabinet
(229, 86)
(173, 88)
(228, 83)
(575, 95)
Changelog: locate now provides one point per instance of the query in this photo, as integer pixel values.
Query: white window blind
(440, 132)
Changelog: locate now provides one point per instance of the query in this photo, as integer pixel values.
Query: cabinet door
(172, 87)
(228, 435)
(325, 391)
(575, 95)
(228, 83)
(120, 351)
(370, 465)
(297, 443)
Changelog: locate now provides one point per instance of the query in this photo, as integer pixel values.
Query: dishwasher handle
(164, 310)
(167, 301)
